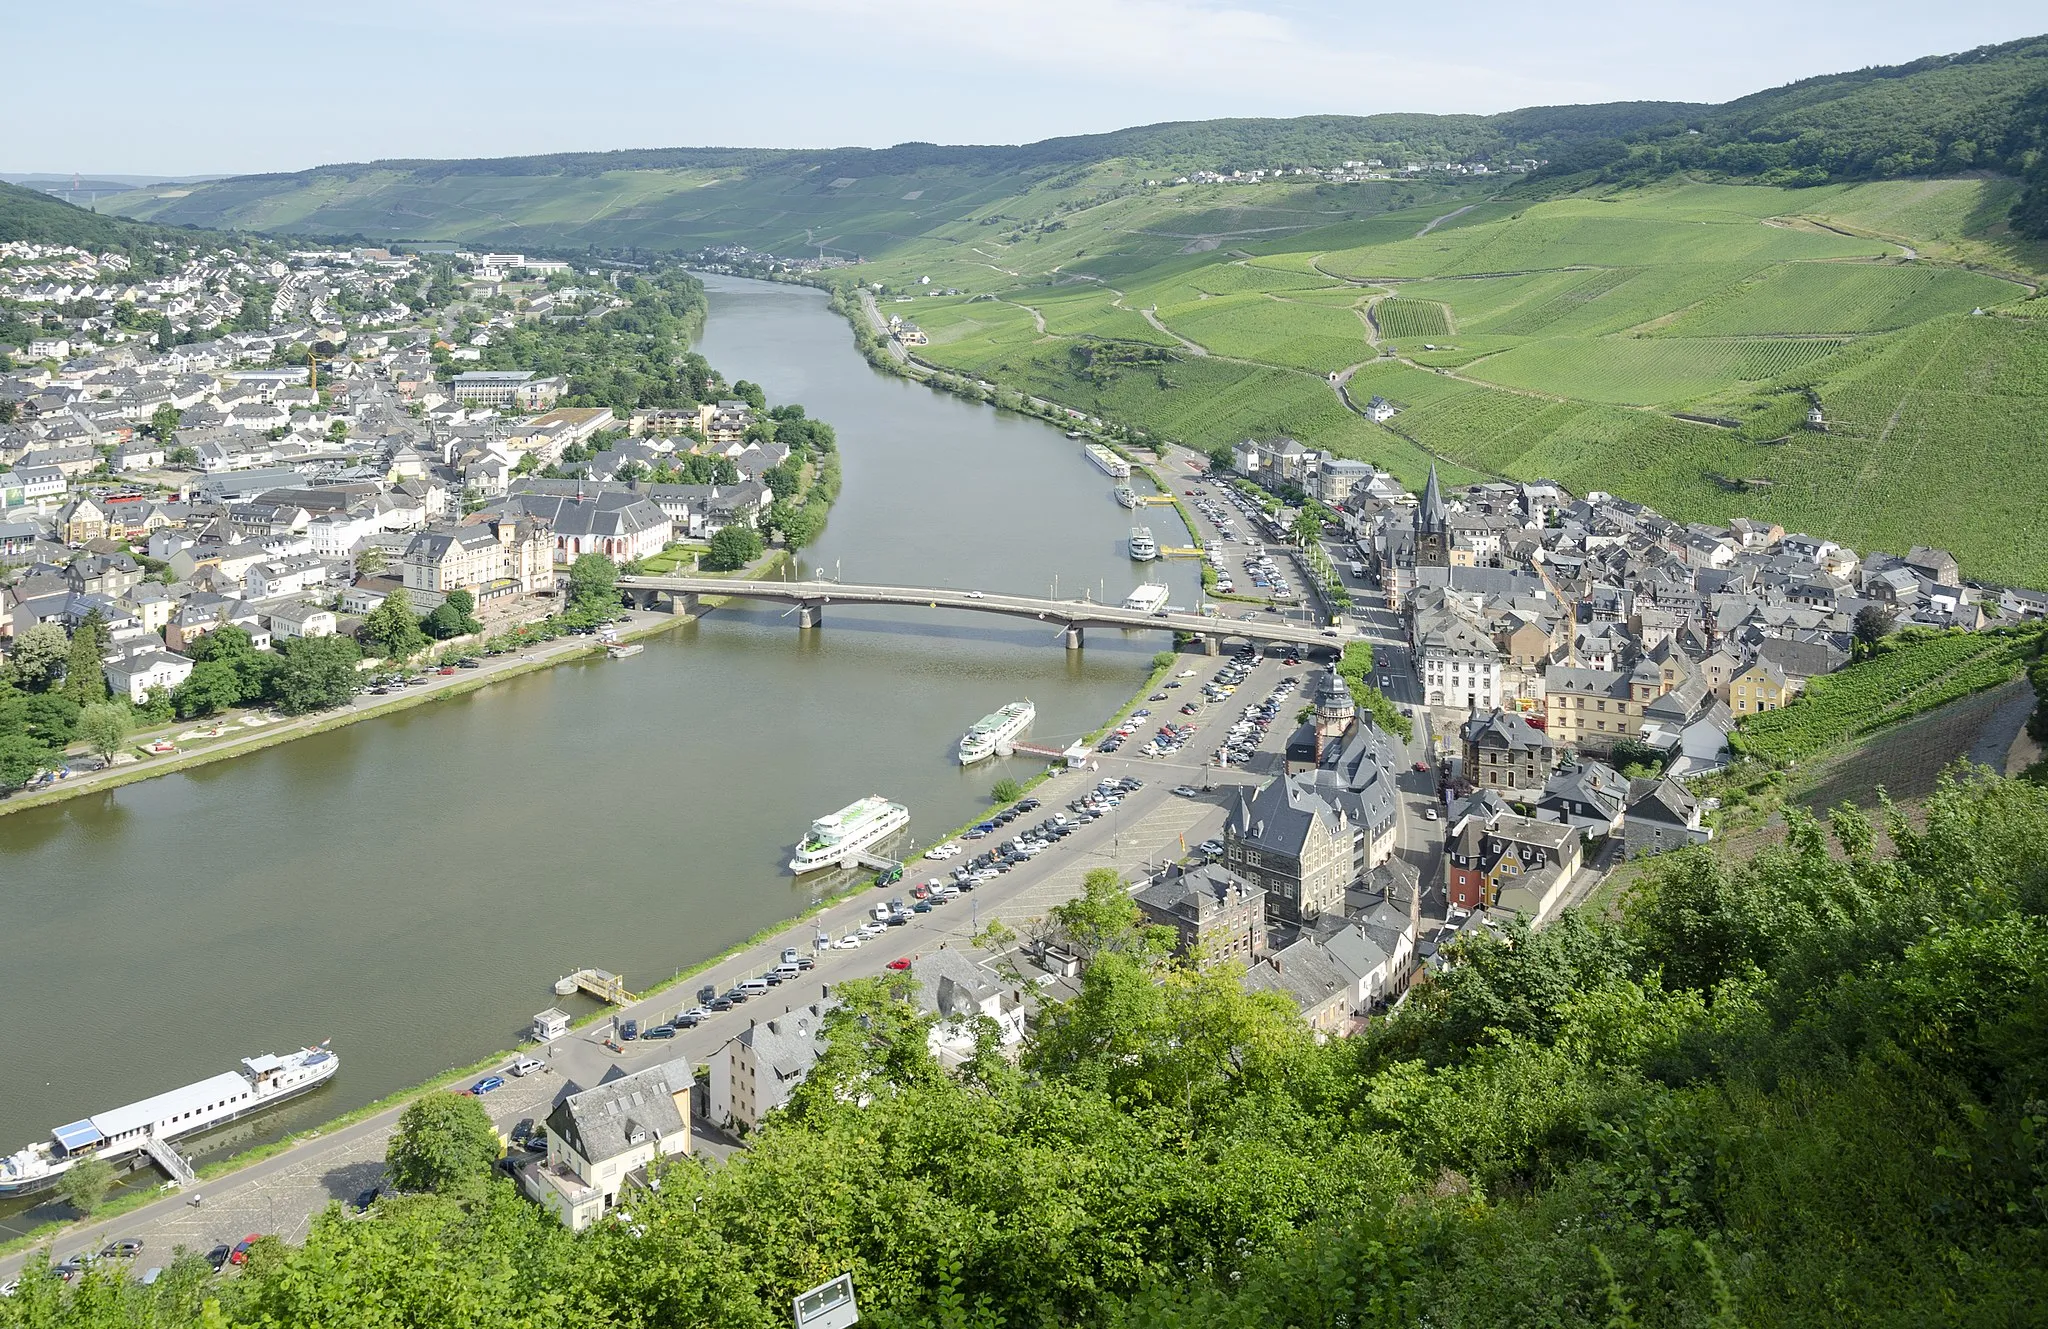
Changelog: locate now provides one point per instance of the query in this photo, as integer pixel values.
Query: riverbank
(545, 656)
(386, 1109)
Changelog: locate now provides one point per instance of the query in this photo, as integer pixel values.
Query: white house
(137, 675)
(597, 1140)
(296, 618)
(285, 576)
(957, 991)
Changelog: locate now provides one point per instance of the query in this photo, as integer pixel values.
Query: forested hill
(1978, 110)
(1985, 109)
(26, 214)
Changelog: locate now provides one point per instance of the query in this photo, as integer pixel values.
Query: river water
(410, 886)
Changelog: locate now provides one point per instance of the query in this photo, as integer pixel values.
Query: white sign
(828, 1305)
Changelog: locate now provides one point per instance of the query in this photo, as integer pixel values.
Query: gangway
(170, 1160)
(606, 986)
(1179, 551)
(877, 863)
(1074, 755)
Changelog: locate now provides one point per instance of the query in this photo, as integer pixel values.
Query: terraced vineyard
(1571, 334)
(1916, 673)
(1412, 319)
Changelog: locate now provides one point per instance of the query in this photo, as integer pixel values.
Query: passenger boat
(1149, 598)
(1115, 467)
(840, 839)
(987, 735)
(263, 1082)
(1143, 547)
(623, 650)
(1126, 496)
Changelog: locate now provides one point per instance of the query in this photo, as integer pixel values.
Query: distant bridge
(684, 595)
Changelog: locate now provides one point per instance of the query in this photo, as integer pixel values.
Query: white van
(755, 987)
(526, 1066)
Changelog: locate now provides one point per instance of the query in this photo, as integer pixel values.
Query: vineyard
(1916, 672)
(1258, 327)
(1845, 297)
(1646, 371)
(1412, 319)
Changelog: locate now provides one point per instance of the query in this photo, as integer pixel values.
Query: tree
(445, 1143)
(85, 681)
(21, 758)
(318, 673)
(212, 686)
(1221, 458)
(371, 561)
(1307, 528)
(1873, 624)
(85, 1184)
(593, 584)
(785, 479)
(182, 457)
(156, 707)
(105, 726)
(1164, 660)
(733, 548)
(37, 660)
(164, 422)
(751, 394)
(1006, 791)
(392, 630)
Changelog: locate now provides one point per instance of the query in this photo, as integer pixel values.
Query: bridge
(1069, 618)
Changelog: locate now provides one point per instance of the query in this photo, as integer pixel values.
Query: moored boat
(263, 1082)
(1143, 547)
(841, 838)
(987, 735)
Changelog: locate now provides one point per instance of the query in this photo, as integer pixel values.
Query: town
(167, 475)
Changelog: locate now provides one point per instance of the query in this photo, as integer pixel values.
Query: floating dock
(606, 986)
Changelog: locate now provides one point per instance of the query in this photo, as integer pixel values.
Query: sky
(182, 87)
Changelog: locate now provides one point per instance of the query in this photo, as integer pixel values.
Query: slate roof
(623, 1114)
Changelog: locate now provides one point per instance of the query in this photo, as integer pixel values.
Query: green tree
(370, 562)
(593, 585)
(157, 707)
(317, 673)
(85, 1184)
(751, 394)
(1006, 790)
(733, 548)
(785, 480)
(1221, 458)
(392, 630)
(164, 422)
(1307, 528)
(1873, 624)
(85, 680)
(211, 687)
(445, 1143)
(182, 457)
(105, 726)
(37, 660)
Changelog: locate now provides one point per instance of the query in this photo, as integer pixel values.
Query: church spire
(1434, 515)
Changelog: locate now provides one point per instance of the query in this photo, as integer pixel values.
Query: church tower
(1335, 713)
(1432, 526)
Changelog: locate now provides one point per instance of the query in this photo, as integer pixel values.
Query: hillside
(26, 214)
(1631, 320)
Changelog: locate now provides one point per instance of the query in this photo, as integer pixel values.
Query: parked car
(660, 1031)
(123, 1248)
(900, 963)
(363, 1201)
(487, 1084)
(240, 1254)
(526, 1066)
(629, 1030)
(218, 1256)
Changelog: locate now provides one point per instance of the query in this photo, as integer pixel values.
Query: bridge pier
(1072, 636)
(1211, 646)
(687, 606)
(810, 614)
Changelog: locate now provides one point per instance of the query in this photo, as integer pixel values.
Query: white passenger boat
(263, 1082)
(1125, 495)
(990, 732)
(840, 839)
(1115, 467)
(1143, 547)
(1149, 598)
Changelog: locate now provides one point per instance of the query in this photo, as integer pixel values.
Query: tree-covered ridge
(1984, 109)
(28, 214)
(1803, 1089)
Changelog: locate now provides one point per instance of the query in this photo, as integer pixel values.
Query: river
(410, 886)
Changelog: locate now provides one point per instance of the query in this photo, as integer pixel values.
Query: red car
(240, 1254)
(1422, 766)
(900, 963)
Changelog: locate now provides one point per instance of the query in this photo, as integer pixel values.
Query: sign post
(828, 1305)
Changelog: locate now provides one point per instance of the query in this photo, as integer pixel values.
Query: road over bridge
(683, 595)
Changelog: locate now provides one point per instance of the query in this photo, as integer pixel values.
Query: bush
(1006, 790)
